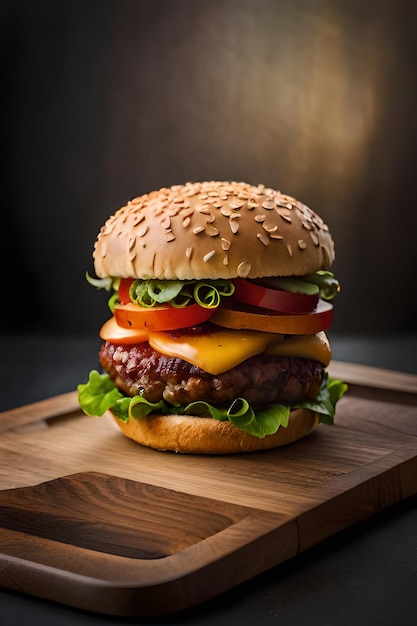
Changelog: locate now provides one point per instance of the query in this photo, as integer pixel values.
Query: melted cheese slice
(214, 352)
(221, 350)
(315, 347)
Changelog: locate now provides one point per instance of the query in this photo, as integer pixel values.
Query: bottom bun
(205, 435)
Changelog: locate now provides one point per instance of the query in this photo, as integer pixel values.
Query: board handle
(39, 412)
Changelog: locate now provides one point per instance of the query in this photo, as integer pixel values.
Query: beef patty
(138, 369)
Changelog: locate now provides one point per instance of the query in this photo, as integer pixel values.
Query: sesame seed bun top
(213, 230)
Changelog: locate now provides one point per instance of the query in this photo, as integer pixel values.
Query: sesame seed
(302, 244)
(263, 239)
(270, 229)
(142, 231)
(235, 204)
(186, 212)
(243, 269)
(197, 230)
(280, 201)
(205, 209)
(209, 255)
(234, 226)
(138, 219)
(284, 214)
(314, 238)
(288, 199)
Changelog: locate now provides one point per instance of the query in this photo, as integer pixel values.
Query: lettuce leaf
(177, 293)
(99, 395)
(325, 404)
(322, 283)
(240, 413)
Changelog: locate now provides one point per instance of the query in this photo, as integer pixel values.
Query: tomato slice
(124, 287)
(246, 317)
(111, 331)
(160, 317)
(273, 299)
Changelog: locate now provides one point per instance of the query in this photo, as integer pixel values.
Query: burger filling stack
(220, 295)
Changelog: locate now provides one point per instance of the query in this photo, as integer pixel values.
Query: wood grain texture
(113, 515)
(91, 519)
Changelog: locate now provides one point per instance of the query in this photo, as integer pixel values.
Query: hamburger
(220, 296)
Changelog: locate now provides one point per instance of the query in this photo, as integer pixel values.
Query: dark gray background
(105, 100)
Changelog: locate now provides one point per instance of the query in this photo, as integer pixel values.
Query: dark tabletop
(366, 574)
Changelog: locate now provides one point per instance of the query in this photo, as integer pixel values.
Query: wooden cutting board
(90, 519)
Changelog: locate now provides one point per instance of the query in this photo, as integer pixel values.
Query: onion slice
(241, 316)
